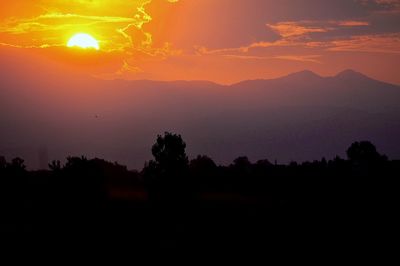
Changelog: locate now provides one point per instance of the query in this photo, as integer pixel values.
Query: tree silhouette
(364, 152)
(203, 170)
(166, 182)
(166, 174)
(241, 166)
(264, 163)
(76, 164)
(55, 165)
(202, 165)
(169, 154)
(17, 165)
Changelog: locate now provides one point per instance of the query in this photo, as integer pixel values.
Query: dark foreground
(324, 209)
(321, 214)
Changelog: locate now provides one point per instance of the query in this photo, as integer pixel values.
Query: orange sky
(220, 40)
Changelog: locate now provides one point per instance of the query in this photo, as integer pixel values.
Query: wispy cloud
(299, 58)
(290, 29)
(382, 6)
(300, 35)
(352, 23)
(383, 43)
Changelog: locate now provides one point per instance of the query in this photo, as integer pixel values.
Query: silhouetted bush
(16, 165)
(55, 165)
(364, 153)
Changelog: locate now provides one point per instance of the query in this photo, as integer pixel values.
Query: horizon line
(255, 79)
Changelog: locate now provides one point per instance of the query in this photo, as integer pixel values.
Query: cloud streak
(290, 29)
(298, 58)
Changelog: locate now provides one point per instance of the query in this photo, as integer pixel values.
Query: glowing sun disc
(83, 40)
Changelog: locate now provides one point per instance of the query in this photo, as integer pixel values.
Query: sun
(83, 40)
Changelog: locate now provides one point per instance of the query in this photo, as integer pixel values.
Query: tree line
(88, 195)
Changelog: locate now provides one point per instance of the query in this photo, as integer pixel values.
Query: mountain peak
(305, 75)
(350, 74)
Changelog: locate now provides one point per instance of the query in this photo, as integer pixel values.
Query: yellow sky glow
(117, 24)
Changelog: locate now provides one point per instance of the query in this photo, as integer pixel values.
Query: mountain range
(302, 116)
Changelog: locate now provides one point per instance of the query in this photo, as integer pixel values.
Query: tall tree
(169, 154)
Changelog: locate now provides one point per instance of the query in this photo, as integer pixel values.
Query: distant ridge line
(300, 75)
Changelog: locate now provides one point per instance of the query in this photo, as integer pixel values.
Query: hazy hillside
(298, 117)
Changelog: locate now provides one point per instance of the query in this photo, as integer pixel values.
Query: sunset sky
(225, 41)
